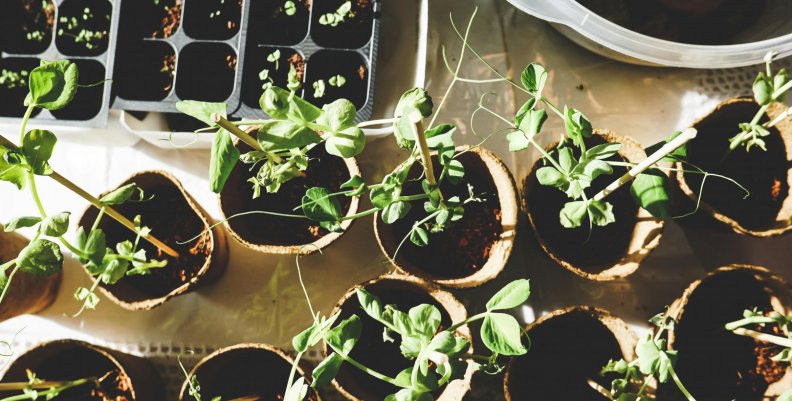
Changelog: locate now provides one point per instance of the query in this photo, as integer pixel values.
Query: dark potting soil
(147, 19)
(464, 247)
(74, 22)
(708, 22)
(87, 102)
(716, 364)
(244, 372)
(207, 72)
(354, 32)
(14, 87)
(80, 363)
(270, 25)
(144, 71)
(172, 221)
(256, 61)
(566, 351)
(237, 196)
(763, 173)
(592, 250)
(326, 64)
(26, 26)
(212, 19)
(371, 350)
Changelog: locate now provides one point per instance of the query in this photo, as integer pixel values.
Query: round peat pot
(568, 347)
(385, 357)
(714, 363)
(122, 377)
(28, 293)
(604, 253)
(244, 370)
(472, 250)
(285, 235)
(173, 216)
(767, 211)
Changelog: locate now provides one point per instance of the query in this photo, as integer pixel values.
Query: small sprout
(264, 75)
(319, 89)
(274, 57)
(337, 81)
(338, 16)
(289, 8)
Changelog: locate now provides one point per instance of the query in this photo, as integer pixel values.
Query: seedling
(782, 324)
(13, 79)
(289, 8)
(654, 360)
(274, 57)
(36, 388)
(52, 86)
(337, 81)
(319, 89)
(768, 88)
(340, 15)
(72, 27)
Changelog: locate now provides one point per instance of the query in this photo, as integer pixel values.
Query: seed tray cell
(83, 31)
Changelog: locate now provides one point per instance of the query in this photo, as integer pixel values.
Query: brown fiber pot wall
(131, 298)
(27, 293)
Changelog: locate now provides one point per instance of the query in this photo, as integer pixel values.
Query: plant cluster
(37, 389)
(338, 16)
(72, 27)
(754, 318)
(52, 86)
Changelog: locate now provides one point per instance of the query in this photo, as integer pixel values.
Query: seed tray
(30, 33)
(318, 52)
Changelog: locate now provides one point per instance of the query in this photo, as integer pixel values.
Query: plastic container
(773, 32)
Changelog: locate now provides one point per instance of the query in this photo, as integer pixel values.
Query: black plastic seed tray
(171, 50)
(340, 58)
(83, 31)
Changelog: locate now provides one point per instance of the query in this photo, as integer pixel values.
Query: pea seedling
(782, 323)
(338, 16)
(654, 360)
(52, 86)
(289, 8)
(71, 26)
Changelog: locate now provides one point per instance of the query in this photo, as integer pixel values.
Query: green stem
(43, 213)
(52, 391)
(25, 120)
(363, 368)
(759, 114)
(468, 320)
(361, 214)
(780, 91)
(674, 376)
(8, 282)
(6, 265)
(410, 198)
(293, 372)
(748, 320)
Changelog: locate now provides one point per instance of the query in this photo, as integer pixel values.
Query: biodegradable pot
(244, 370)
(326, 64)
(201, 262)
(27, 293)
(766, 174)
(568, 347)
(405, 292)
(609, 252)
(126, 377)
(713, 363)
(464, 246)
(285, 235)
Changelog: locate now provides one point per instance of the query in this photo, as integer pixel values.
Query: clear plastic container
(771, 32)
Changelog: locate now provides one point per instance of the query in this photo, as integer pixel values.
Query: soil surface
(96, 21)
(763, 173)
(14, 90)
(565, 352)
(206, 72)
(171, 220)
(144, 71)
(324, 170)
(708, 22)
(212, 19)
(146, 19)
(21, 18)
(464, 247)
(326, 64)
(592, 250)
(714, 363)
(270, 25)
(80, 363)
(371, 350)
(354, 32)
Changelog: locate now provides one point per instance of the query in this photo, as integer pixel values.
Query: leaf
(762, 90)
(502, 334)
(573, 213)
(566, 160)
(533, 122)
(455, 171)
(550, 176)
(347, 143)
(577, 126)
(327, 370)
(355, 182)
(425, 319)
(52, 84)
(404, 378)
(277, 135)
(96, 246)
(600, 212)
(648, 354)
(297, 391)
(603, 151)
(343, 337)
(440, 138)
(114, 271)
(511, 296)
(651, 190)
(89, 299)
(37, 146)
(518, 141)
(338, 115)
(534, 77)
(55, 225)
(202, 110)
(274, 102)
(594, 168)
(523, 111)
(21, 222)
(395, 211)
(11, 171)
(415, 103)
(409, 394)
(370, 303)
(419, 236)
(120, 195)
(318, 205)
(40, 257)
(223, 159)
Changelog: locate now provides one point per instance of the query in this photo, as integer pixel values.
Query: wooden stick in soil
(655, 157)
(97, 203)
(238, 132)
(37, 386)
(768, 338)
(602, 390)
(426, 155)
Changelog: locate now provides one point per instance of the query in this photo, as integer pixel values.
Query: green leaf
(603, 151)
(502, 334)
(55, 225)
(409, 394)
(651, 190)
(533, 78)
(223, 159)
(370, 303)
(404, 378)
(573, 213)
(395, 211)
(355, 182)
(600, 212)
(277, 135)
(327, 370)
(455, 171)
(202, 110)
(441, 139)
(419, 236)
(297, 391)
(762, 90)
(96, 246)
(52, 84)
(40, 257)
(415, 103)
(87, 296)
(10, 170)
(577, 126)
(518, 141)
(533, 122)
(37, 146)
(550, 176)
(120, 195)
(523, 111)
(114, 271)
(318, 205)
(511, 296)
(566, 160)
(678, 153)
(343, 337)
(275, 102)
(338, 115)
(347, 143)
(648, 352)
(425, 319)
(21, 222)
(594, 168)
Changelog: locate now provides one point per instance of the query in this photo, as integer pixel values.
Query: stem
(781, 90)
(377, 122)
(468, 320)
(293, 371)
(602, 390)
(43, 213)
(779, 118)
(768, 338)
(410, 198)
(426, 155)
(361, 214)
(362, 367)
(748, 320)
(25, 119)
(8, 282)
(239, 133)
(676, 378)
(655, 157)
(52, 388)
(759, 114)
